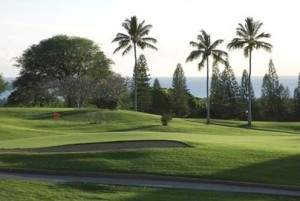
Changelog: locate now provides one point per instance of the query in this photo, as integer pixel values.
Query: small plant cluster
(165, 118)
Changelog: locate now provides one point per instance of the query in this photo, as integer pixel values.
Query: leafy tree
(137, 36)
(272, 95)
(3, 84)
(297, 100)
(244, 91)
(143, 86)
(197, 107)
(158, 99)
(179, 95)
(114, 88)
(216, 93)
(224, 93)
(57, 58)
(204, 49)
(249, 38)
(231, 93)
(78, 89)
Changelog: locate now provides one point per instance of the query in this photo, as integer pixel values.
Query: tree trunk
(135, 79)
(249, 92)
(207, 95)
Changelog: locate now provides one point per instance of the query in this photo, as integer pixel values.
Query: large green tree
(297, 100)
(159, 99)
(143, 86)
(205, 48)
(224, 95)
(179, 94)
(244, 91)
(231, 93)
(249, 38)
(136, 36)
(3, 84)
(56, 59)
(273, 94)
(216, 93)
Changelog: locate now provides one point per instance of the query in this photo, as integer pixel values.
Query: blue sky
(175, 24)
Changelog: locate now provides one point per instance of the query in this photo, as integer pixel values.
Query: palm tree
(249, 38)
(136, 37)
(204, 49)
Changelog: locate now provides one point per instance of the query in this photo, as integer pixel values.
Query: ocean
(197, 85)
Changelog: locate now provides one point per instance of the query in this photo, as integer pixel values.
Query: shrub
(113, 104)
(165, 118)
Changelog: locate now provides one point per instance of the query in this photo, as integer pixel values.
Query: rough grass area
(25, 191)
(267, 153)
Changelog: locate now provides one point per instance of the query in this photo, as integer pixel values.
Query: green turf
(267, 153)
(25, 190)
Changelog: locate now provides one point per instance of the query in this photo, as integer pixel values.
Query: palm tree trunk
(135, 79)
(207, 96)
(249, 91)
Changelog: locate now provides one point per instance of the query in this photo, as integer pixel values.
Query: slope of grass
(25, 190)
(223, 150)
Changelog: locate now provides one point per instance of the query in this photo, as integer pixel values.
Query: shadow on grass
(133, 128)
(159, 194)
(232, 124)
(283, 171)
(110, 161)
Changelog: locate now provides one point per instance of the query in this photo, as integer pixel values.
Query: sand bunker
(105, 146)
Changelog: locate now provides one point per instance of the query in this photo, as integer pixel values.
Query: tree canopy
(58, 58)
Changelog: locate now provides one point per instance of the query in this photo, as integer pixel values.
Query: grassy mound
(267, 153)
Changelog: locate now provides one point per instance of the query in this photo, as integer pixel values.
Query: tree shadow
(85, 161)
(134, 128)
(282, 171)
(245, 126)
(160, 194)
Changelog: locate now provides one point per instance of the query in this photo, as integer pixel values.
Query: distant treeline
(67, 71)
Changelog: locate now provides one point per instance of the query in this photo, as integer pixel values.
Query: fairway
(225, 150)
(26, 190)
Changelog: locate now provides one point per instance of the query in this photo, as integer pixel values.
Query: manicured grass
(267, 153)
(25, 190)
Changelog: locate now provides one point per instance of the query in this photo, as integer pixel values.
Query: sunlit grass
(267, 153)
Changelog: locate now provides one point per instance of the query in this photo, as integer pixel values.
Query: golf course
(266, 153)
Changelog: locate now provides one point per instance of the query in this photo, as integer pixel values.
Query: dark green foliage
(272, 95)
(3, 84)
(216, 93)
(165, 118)
(136, 36)
(197, 107)
(224, 94)
(179, 93)
(243, 97)
(53, 61)
(143, 86)
(113, 104)
(160, 99)
(296, 107)
(231, 93)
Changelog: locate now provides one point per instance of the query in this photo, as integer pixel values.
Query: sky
(175, 23)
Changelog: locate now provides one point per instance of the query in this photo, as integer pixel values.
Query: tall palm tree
(204, 49)
(249, 38)
(136, 36)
